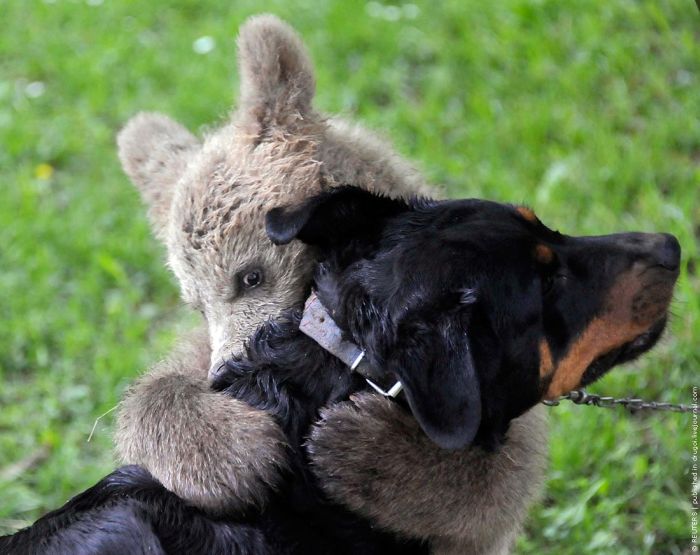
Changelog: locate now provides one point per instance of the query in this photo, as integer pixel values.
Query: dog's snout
(655, 249)
(667, 251)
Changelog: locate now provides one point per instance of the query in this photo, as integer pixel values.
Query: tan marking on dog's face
(600, 337)
(546, 363)
(631, 308)
(544, 254)
(527, 213)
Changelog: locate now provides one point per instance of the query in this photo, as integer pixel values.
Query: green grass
(586, 110)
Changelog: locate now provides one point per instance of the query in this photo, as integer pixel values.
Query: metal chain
(582, 397)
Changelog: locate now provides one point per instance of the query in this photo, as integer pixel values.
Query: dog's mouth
(625, 353)
(649, 305)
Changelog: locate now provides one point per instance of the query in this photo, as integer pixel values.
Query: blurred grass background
(586, 110)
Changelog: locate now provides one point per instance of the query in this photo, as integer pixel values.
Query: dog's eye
(547, 284)
(550, 281)
(252, 279)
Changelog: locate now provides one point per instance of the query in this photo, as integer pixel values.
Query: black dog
(478, 309)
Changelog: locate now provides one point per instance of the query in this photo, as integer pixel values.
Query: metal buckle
(394, 390)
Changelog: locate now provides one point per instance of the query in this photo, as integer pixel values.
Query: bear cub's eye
(252, 279)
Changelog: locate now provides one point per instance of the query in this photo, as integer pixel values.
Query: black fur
(450, 297)
(447, 296)
(130, 512)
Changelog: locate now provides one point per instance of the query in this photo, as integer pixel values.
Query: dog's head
(477, 307)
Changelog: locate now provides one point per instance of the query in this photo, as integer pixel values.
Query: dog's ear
(333, 219)
(277, 78)
(434, 363)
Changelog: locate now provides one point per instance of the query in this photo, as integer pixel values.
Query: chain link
(582, 397)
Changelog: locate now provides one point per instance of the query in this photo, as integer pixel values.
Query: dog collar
(318, 324)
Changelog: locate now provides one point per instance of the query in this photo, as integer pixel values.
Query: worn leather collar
(318, 324)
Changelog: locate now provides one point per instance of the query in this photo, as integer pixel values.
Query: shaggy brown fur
(253, 455)
(469, 501)
(206, 202)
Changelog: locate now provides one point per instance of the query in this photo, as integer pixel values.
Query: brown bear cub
(206, 202)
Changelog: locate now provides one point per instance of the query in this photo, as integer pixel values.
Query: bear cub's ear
(154, 151)
(277, 77)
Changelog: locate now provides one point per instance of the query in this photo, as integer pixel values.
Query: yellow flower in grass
(43, 171)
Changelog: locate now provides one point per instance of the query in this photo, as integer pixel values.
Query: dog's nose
(667, 251)
(655, 249)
